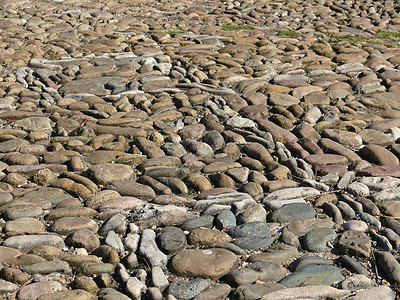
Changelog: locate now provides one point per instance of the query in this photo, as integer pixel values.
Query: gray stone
(115, 242)
(171, 240)
(255, 291)
(355, 225)
(149, 250)
(225, 220)
(107, 173)
(356, 282)
(346, 211)
(371, 220)
(256, 229)
(48, 267)
(159, 279)
(307, 260)
(202, 221)
(279, 253)
(352, 265)
(116, 223)
(302, 226)
(354, 242)
(253, 242)
(7, 287)
(111, 294)
(388, 266)
(134, 287)
(28, 242)
(264, 271)
(313, 275)
(316, 240)
(379, 292)
(188, 289)
(311, 292)
(35, 290)
(291, 212)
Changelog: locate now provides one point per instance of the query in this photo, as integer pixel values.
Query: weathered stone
(207, 263)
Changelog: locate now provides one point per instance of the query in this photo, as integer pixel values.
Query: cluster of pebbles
(211, 150)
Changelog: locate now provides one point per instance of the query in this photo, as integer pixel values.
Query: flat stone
(258, 229)
(291, 193)
(379, 155)
(225, 220)
(108, 172)
(390, 208)
(347, 139)
(356, 282)
(258, 152)
(336, 148)
(68, 225)
(133, 189)
(316, 240)
(313, 275)
(202, 221)
(354, 242)
(83, 238)
(207, 263)
(35, 124)
(25, 225)
(125, 203)
(352, 265)
(112, 294)
(307, 260)
(313, 292)
(171, 240)
(188, 289)
(148, 249)
(302, 226)
(77, 294)
(375, 137)
(71, 212)
(48, 267)
(355, 225)
(292, 212)
(205, 236)
(326, 159)
(53, 195)
(393, 171)
(282, 99)
(35, 290)
(219, 291)
(379, 292)
(254, 242)
(257, 290)
(279, 134)
(90, 269)
(388, 266)
(387, 194)
(28, 242)
(279, 253)
(23, 211)
(264, 271)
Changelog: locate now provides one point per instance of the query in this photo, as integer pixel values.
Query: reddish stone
(393, 171)
(213, 192)
(325, 169)
(326, 159)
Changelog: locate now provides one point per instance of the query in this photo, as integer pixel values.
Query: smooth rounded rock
(316, 240)
(207, 263)
(257, 229)
(171, 240)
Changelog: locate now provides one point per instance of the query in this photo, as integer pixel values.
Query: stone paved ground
(206, 150)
